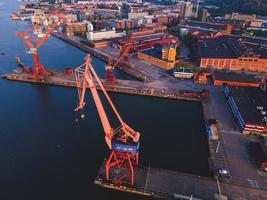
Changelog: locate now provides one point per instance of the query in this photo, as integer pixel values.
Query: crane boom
(41, 42)
(102, 114)
(123, 55)
(122, 141)
(84, 76)
(29, 38)
(26, 40)
(110, 77)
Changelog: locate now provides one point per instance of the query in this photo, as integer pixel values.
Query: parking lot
(231, 151)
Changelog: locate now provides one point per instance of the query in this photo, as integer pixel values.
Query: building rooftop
(253, 39)
(229, 47)
(155, 52)
(249, 101)
(182, 69)
(206, 25)
(257, 151)
(214, 48)
(235, 77)
(225, 21)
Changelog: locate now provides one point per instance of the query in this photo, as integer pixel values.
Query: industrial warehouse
(232, 54)
(249, 105)
(144, 39)
(235, 79)
(162, 57)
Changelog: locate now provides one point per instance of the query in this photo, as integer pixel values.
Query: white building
(134, 15)
(188, 9)
(138, 22)
(104, 34)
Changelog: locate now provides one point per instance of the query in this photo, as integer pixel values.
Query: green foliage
(125, 10)
(80, 34)
(190, 41)
(187, 66)
(31, 5)
(260, 33)
(178, 51)
(244, 6)
(174, 32)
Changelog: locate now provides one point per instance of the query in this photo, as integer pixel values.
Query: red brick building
(72, 28)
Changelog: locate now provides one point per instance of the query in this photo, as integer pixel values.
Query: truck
(213, 129)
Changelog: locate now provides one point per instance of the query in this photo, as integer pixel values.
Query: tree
(125, 9)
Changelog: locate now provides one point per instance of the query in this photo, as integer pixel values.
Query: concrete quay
(230, 151)
(123, 86)
(161, 183)
(100, 54)
(154, 77)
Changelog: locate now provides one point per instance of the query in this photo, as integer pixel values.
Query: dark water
(45, 154)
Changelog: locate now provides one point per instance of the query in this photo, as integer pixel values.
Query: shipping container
(131, 148)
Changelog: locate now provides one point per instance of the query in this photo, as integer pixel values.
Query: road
(232, 153)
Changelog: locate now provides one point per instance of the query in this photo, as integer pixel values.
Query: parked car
(222, 173)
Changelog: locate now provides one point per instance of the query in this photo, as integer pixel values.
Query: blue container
(131, 148)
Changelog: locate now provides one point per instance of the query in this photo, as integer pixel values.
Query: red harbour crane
(123, 59)
(34, 43)
(123, 141)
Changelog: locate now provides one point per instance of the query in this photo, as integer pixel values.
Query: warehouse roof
(256, 150)
(225, 21)
(250, 101)
(235, 77)
(155, 52)
(214, 48)
(229, 47)
(207, 25)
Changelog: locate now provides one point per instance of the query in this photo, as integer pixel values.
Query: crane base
(136, 188)
(120, 167)
(164, 184)
(110, 77)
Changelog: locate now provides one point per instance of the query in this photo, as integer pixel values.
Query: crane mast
(34, 44)
(110, 77)
(122, 141)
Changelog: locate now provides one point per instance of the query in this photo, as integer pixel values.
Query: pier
(156, 82)
(77, 42)
(166, 184)
(123, 86)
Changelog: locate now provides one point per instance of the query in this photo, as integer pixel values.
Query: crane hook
(82, 116)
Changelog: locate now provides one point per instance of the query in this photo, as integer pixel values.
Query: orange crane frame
(122, 141)
(110, 77)
(38, 68)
